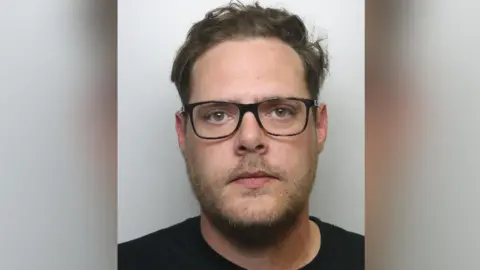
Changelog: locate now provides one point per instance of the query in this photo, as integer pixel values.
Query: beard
(247, 229)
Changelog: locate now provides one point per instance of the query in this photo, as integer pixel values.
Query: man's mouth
(253, 180)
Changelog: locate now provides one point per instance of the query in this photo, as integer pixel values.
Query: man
(250, 130)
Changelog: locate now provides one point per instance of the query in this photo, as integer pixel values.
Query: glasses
(278, 117)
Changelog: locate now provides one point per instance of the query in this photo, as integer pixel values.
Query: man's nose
(250, 137)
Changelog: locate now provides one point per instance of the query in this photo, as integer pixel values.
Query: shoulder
(340, 235)
(340, 245)
(155, 248)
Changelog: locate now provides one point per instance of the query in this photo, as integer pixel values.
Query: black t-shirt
(182, 246)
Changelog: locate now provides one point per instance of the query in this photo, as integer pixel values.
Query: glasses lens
(283, 117)
(215, 119)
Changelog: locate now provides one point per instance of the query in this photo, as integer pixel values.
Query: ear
(321, 126)
(180, 128)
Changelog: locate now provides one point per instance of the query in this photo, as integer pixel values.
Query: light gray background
(58, 135)
(153, 189)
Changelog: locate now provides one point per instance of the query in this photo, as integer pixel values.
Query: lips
(253, 180)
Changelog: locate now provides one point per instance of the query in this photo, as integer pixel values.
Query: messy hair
(240, 21)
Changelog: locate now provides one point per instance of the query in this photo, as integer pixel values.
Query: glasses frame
(187, 110)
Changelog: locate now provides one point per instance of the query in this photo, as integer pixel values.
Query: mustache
(254, 166)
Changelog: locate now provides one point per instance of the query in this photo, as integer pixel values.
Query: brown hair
(237, 21)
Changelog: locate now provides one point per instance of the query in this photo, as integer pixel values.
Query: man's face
(248, 71)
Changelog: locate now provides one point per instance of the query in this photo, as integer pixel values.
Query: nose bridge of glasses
(252, 108)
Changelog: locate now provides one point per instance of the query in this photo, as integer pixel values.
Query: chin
(262, 209)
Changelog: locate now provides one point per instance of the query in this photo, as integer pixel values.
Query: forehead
(248, 70)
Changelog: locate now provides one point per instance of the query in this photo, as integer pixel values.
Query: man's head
(250, 166)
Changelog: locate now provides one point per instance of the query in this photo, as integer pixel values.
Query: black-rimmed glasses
(278, 117)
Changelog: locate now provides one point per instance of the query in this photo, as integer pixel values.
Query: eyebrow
(259, 99)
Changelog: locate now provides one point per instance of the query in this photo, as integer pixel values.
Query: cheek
(295, 155)
(210, 159)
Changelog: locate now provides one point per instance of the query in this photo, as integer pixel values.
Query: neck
(299, 246)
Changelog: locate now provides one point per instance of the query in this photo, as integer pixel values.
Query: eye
(216, 117)
(282, 112)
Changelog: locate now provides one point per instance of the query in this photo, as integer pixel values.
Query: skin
(259, 69)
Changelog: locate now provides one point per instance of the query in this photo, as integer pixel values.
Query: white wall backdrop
(153, 189)
(57, 135)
